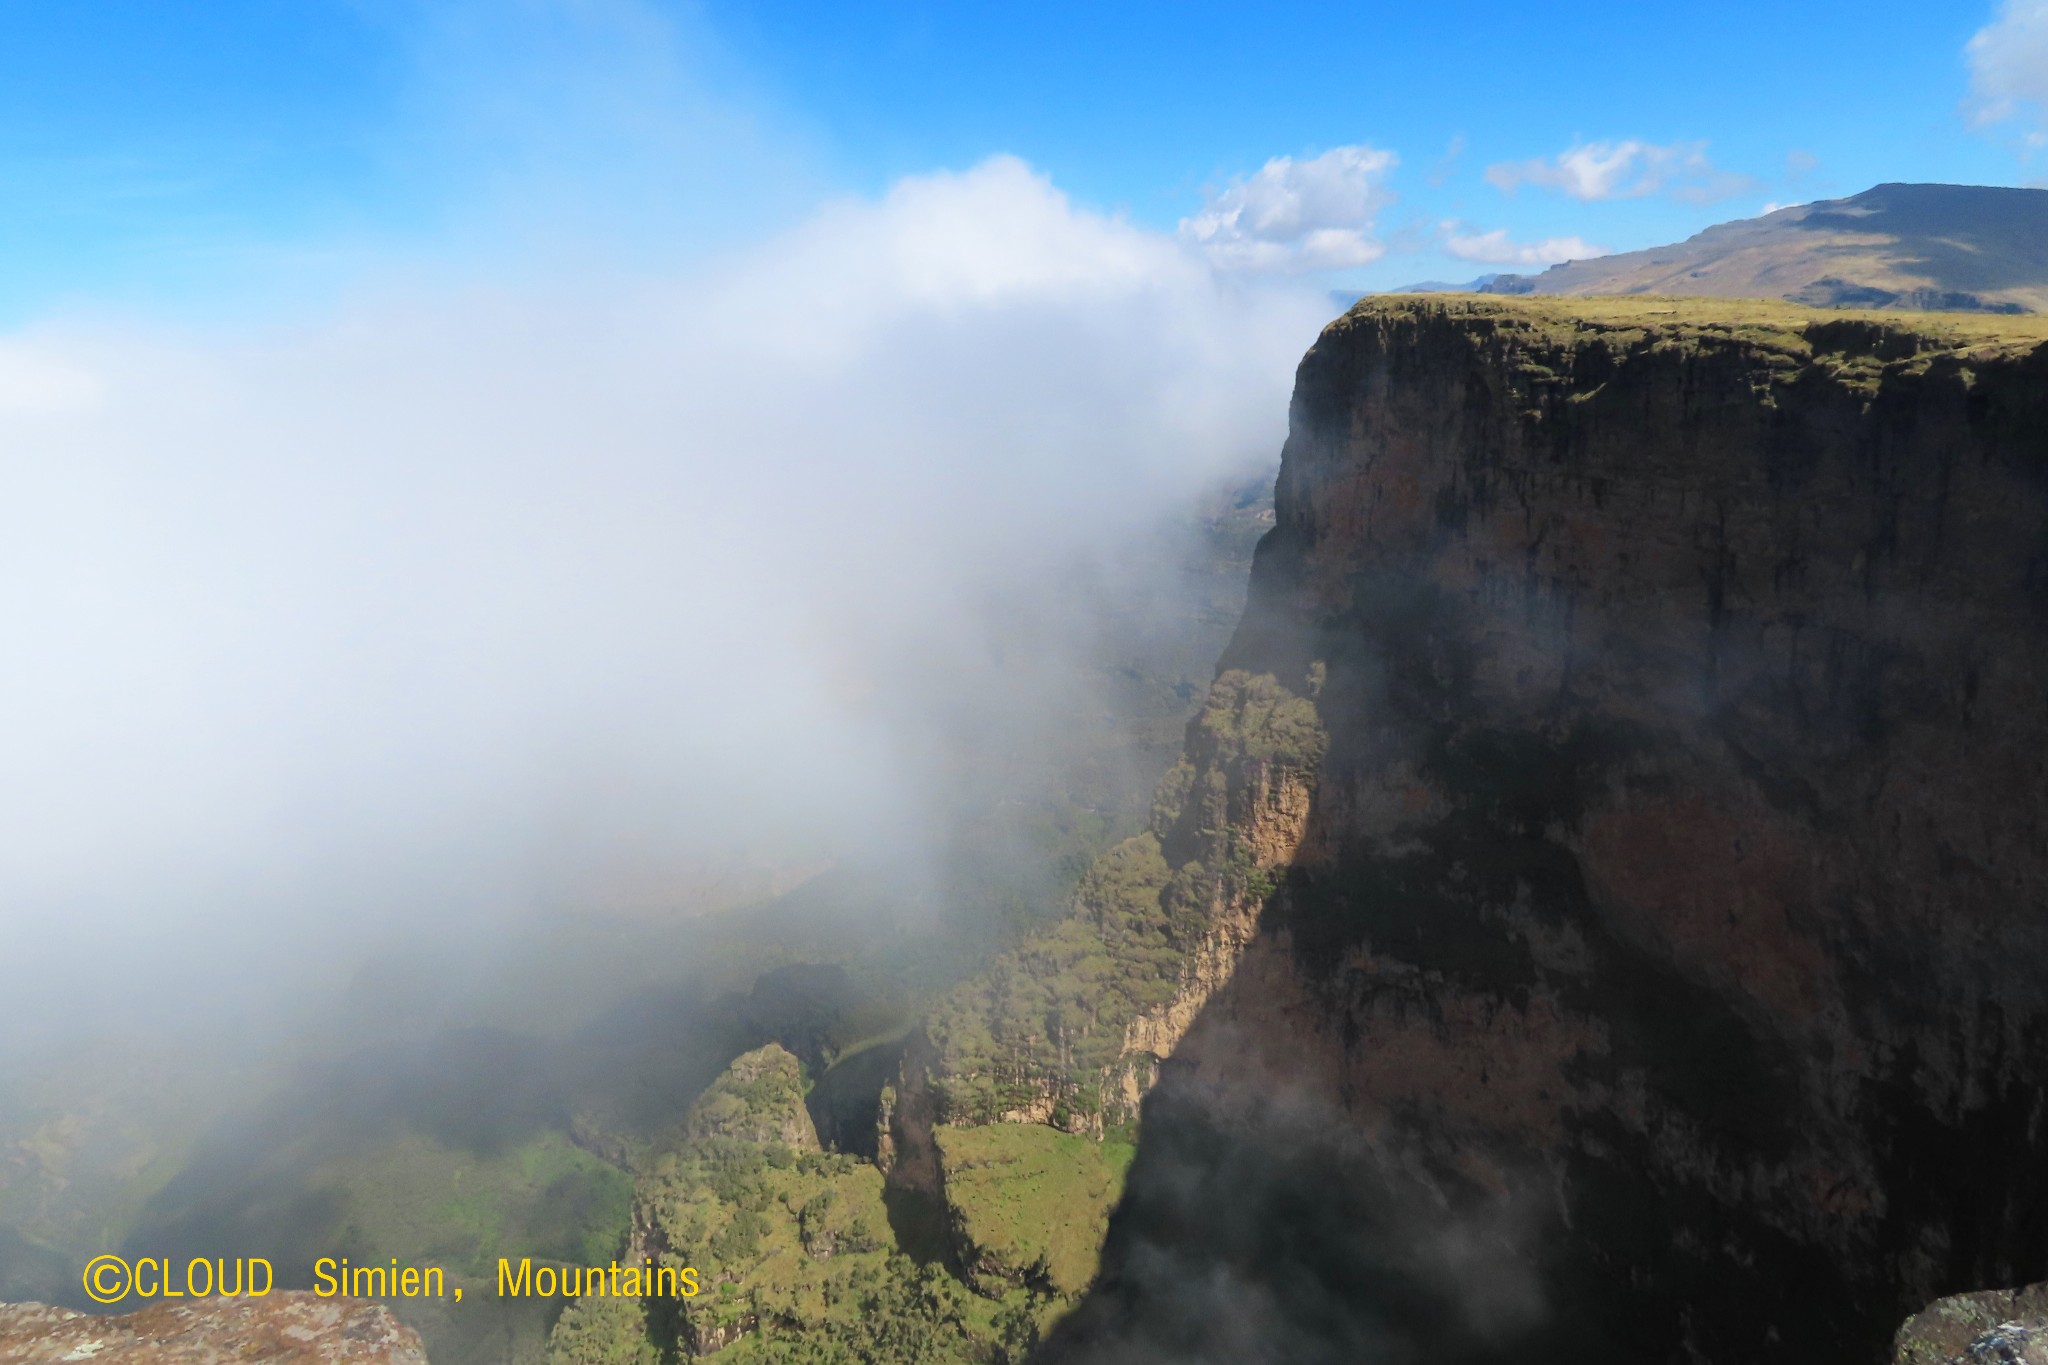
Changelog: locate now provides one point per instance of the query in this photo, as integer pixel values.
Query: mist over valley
(866, 686)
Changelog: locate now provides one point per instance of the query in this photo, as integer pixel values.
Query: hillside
(1943, 247)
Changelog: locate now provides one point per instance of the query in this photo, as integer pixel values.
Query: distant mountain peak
(1962, 248)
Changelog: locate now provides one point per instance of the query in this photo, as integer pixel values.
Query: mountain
(1480, 285)
(1596, 914)
(1970, 248)
(1605, 900)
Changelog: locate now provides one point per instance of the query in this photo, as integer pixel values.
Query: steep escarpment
(1657, 968)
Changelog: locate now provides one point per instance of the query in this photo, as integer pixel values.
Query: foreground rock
(1991, 1327)
(284, 1328)
(1656, 967)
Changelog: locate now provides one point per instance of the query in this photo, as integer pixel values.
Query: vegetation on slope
(793, 1248)
(1039, 1035)
(1031, 1203)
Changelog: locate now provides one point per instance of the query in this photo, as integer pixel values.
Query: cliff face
(1657, 968)
(1068, 1028)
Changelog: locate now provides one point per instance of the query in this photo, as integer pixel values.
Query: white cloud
(471, 597)
(34, 383)
(2008, 61)
(1498, 248)
(1593, 171)
(1297, 215)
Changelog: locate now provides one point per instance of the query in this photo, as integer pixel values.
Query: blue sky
(165, 152)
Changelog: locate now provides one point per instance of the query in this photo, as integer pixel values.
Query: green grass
(1762, 319)
(1033, 1202)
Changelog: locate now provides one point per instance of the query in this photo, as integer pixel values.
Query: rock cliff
(1068, 1028)
(1619, 928)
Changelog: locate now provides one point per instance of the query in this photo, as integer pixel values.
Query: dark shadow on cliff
(1611, 1010)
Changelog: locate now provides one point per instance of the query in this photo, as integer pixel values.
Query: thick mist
(445, 605)
(450, 684)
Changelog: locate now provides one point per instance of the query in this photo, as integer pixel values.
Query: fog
(409, 645)
(431, 605)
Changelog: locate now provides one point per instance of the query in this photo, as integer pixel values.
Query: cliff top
(1795, 327)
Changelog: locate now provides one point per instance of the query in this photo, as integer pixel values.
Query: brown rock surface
(1662, 971)
(283, 1328)
(1970, 1327)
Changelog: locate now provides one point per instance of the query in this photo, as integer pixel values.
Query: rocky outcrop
(284, 1328)
(1068, 1029)
(760, 1099)
(1231, 817)
(1991, 1327)
(1657, 966)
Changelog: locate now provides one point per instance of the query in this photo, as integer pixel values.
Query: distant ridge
(1962, 248)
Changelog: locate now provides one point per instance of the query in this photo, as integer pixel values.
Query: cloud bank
(1292, 216)
(548, 590)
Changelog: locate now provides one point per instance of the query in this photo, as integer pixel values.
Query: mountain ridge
(1920, 247)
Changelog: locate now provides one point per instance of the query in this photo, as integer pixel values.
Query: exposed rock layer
(1662, 970)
